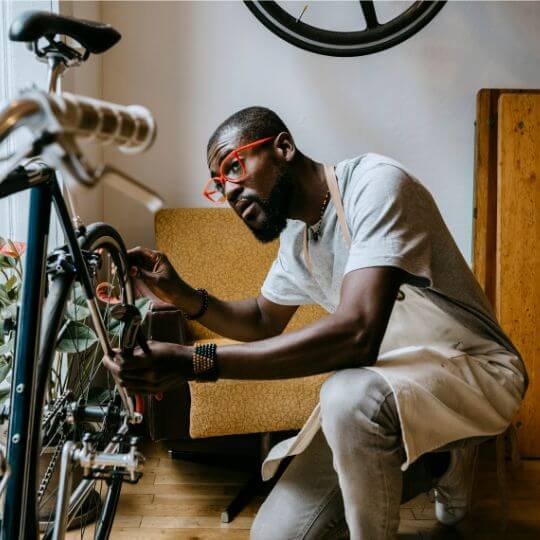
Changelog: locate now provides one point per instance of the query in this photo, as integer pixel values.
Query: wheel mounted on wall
(374, 38)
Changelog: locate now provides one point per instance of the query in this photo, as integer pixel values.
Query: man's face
(262, 199)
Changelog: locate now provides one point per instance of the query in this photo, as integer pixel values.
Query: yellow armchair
(211, 248)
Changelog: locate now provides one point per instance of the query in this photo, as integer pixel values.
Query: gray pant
(350, 475)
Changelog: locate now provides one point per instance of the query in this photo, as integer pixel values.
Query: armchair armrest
(167, 418)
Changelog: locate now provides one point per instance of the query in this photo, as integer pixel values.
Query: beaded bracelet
(204, 360)
(204, 306)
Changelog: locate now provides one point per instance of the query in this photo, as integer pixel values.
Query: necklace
(316, 233)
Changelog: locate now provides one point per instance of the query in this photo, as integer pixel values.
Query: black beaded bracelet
(204, 306)
(205, 367)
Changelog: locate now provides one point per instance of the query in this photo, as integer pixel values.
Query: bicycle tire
(106, 238)
(344, 44)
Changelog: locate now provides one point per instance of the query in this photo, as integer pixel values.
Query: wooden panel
(518, 245)
(485, 191)
(484, 255)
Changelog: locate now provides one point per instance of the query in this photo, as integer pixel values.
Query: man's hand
(156, 273)
(167, 367)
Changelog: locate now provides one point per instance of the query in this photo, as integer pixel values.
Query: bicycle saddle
(33, 25)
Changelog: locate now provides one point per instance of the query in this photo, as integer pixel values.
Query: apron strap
(307, 258)
(333, 187)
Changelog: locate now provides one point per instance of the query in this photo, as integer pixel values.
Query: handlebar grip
(132, 128)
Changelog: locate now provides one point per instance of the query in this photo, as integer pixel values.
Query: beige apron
(449, 383)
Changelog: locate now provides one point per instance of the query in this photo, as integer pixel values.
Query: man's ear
(284, 146)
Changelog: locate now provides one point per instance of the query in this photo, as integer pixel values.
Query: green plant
(77, 335)
(10, 289)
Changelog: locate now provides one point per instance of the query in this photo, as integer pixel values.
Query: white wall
(86, 80)
(194, 63)
(18, 69)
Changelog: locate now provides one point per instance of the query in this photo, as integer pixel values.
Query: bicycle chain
(58, 404)
(50, 468)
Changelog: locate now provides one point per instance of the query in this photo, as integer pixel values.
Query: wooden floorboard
(182, 500)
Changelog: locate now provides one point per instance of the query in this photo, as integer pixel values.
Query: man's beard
(275, 209)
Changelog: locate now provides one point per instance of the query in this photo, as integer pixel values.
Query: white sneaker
(453, 491)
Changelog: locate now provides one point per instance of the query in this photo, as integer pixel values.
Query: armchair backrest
(212, 248)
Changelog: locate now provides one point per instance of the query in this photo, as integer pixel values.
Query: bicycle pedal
(114, 474)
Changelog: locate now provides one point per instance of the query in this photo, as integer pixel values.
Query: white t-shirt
(393, 221)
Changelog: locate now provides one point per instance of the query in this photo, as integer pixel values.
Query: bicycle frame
(20, 520)
(20, 515)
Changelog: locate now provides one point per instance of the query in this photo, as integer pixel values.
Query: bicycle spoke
(368, 10)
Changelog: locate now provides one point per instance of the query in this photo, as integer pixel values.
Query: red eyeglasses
(232, 169)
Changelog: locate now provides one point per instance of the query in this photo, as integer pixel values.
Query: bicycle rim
(343, 44)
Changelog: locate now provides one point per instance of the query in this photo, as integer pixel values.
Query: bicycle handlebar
(131, 128)
(56, 120)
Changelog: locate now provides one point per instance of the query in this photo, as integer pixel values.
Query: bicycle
(69, 445)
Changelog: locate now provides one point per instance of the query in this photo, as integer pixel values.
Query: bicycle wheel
(377, 36)
(79, 395)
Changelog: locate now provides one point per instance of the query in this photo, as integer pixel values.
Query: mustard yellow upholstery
(212, 248)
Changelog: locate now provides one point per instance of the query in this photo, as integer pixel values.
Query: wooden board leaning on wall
(506, 229)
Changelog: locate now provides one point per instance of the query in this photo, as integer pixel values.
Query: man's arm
(350, 337)
(243, 320)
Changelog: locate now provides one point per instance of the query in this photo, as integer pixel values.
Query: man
(421, 363)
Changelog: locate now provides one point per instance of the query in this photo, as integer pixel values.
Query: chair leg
(251, 488)
(254, 484)
(500, 457)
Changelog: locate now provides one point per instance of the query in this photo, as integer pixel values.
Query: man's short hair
(253, 123)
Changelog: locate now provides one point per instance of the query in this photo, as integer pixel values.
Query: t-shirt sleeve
(280, 287)
(389, 218)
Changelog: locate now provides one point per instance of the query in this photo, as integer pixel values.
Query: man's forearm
(329, 344)
(239, 319)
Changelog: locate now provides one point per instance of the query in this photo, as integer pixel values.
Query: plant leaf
(75, 337)
(79, 297)
(8, 348)
(5, 368)
(144, 305)
(7, 262)
(4, 297)
(4, 395)
(112, 325)
(10, 283)
(76, 312)
(9, 311)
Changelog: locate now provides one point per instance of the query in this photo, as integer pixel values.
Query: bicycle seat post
(56, 68)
